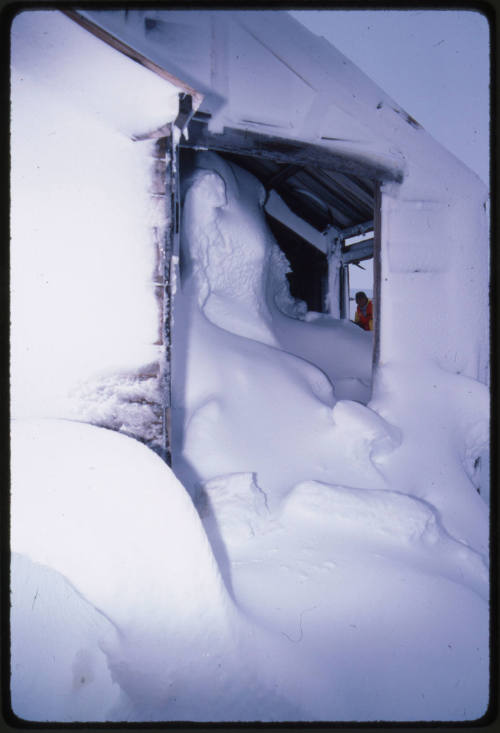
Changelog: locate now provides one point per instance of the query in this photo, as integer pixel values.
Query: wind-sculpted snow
(119, 611)
(442, 438)
(228, 266)
(345, 604)
(387, 544)
(312, 559)
(367, 511)
(103, 511)
(240, 363)
(319, 550)
(234, 501)
(366, 428)
(340, 349)
(59, 670)
(386, 516)
(248, 407)
(382, 612)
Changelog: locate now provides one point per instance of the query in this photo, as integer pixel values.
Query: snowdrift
(307, 566)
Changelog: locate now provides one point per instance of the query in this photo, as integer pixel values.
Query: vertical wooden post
(344, 292)
(171, 266)
(333, 255)
(377, 277)
(166, 232)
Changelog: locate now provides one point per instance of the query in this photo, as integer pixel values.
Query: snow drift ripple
(385, 517)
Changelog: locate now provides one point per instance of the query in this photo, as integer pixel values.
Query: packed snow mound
(120, 613)
(103, 512)
(59, 671)
(119, 610)
(329, 563)
(351, 604)
(241, 274)
(234, 501)
(445, 440)
(331, 573)
(384, 516)
(246, 381)
(227, 247)
(247, 407)
(382, 615)
(394, 516)
(69, 495)
(367, 428)
(342, 350)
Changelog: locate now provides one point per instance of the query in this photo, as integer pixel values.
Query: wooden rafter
(346, 184)
(282, 175)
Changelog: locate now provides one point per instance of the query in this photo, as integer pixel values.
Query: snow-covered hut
(106, 103)
(348, 514)
(336, 155)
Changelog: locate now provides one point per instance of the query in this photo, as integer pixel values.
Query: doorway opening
(322, 212)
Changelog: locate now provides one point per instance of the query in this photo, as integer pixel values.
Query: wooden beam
(346, 184)
(279, 210)
(332, 198)
(344, 293)
(357, 229)
(301, 204)
(335, 217)
(284, 150)
(377, 283)
(357, 252)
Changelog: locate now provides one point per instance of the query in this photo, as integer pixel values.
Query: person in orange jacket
(364, 312)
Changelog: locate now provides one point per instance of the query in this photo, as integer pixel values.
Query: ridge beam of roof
(357, 230)
(276, 207)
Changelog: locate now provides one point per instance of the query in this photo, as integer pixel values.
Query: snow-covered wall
(82, 218)
(435, 266)
(432, 372)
